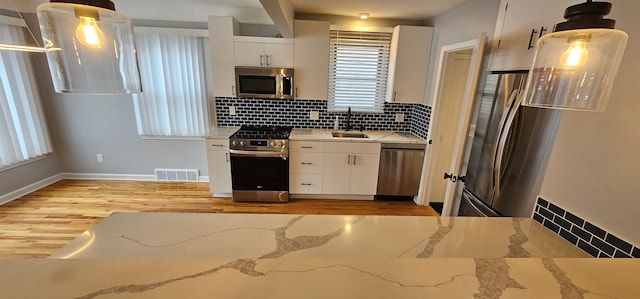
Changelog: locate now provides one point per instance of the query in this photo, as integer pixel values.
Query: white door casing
(457, 161)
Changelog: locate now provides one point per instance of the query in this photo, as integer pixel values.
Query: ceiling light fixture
(90, 47)
(363, 15)
(574, 67)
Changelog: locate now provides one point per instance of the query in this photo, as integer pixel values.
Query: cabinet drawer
(305, 184)
(306, 146)
(217, 144)
(305, 162)
(352, 147)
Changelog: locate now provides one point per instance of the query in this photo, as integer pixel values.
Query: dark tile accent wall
(295, 113)
(587, 236)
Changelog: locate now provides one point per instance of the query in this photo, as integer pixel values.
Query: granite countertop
(156, 255)
(321, 278)
(374, 136)
(222, 132)
(183, 235)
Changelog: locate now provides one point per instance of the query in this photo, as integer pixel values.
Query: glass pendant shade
(90, 50)
(574, 67)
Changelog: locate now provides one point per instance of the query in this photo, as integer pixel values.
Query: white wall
(594, 170)
(461, 23)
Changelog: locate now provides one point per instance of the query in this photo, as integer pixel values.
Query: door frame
(477, 45)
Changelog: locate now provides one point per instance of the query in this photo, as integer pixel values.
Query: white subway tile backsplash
(295, 113)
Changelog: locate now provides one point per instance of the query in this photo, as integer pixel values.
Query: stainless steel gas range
(260, 163)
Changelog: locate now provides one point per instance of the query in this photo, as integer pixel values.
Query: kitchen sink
(349, 134)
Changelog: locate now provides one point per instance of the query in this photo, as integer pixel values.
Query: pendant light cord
(25, 22)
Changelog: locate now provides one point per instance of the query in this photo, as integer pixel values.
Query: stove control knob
(234, 143)
(242, 143)
(273, 144)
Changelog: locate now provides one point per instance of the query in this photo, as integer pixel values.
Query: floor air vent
(176, 175)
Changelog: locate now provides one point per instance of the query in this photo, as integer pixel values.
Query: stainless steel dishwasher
(400, 170)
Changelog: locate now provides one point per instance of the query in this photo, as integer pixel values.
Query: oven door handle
(238, 153)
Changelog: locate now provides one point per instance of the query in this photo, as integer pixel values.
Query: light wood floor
(38, 224)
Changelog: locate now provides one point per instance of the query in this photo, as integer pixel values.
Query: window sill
(22, 163)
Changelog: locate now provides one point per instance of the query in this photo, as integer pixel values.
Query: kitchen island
(162, 255)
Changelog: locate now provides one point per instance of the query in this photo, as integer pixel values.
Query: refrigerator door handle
(505, 126)
(502, 140)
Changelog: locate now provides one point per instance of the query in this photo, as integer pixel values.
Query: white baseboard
(5, 198)
(13, 195)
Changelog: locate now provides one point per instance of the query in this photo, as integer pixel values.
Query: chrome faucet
(349, 118)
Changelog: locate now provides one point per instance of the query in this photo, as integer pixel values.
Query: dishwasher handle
(403, 146)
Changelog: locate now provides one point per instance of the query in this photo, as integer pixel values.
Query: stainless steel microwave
(259, 82)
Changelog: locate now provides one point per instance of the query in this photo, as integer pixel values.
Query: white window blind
(23, 132)
(173, 101)
(358, 68)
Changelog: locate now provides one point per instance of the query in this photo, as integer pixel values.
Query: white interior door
(452, 115)
(460, 155)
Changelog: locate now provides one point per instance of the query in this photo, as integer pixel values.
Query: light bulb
(89, 33)
(576, 55)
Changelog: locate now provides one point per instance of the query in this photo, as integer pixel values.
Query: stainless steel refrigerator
(510, 150)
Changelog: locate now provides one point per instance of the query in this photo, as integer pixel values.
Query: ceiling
(251, 11)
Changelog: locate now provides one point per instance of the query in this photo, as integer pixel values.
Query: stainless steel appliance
(260, 164)
(400, 170)
(510, 150)
(260, 82)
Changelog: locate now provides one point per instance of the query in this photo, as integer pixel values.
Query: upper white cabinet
(311, 59)
(222, 55)
(263, 51)
(520, 24)
(408, 64)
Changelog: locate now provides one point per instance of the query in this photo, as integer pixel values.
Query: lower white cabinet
(305, 167)
(353, 173)
(333, 168)
(305, 183)
(219, 167)
(350, 168)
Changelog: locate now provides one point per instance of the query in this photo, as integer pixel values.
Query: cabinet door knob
(267, 56)
(354, 159)
(349, 159)
(305, 184)
(261, 63)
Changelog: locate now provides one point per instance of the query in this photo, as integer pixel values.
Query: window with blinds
(174, 98)
(23, 131)
(358, 68)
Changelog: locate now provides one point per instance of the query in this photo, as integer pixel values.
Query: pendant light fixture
(575, 66)
(90, 47)
(35, 47)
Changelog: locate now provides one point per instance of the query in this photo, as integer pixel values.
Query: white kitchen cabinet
(408, 64)
(305, 167)
(350, 168)
(219, 167)
(520, 24)
(311, 59)
(222, 55)
(263, 52)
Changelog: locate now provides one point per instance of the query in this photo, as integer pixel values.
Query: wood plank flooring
(40, 223)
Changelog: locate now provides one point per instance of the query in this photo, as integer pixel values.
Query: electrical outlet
(232, 110)
(399, 117)
(100, 158)
(314, 115)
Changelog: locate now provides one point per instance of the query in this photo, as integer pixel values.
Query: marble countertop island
(161, 255)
